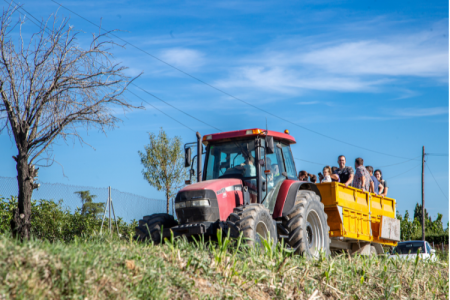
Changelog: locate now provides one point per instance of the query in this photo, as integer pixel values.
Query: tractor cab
(261, 159)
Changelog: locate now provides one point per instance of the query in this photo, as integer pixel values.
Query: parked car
(409, 249)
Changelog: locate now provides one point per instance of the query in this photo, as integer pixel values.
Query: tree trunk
(168, 203)
(21, 221)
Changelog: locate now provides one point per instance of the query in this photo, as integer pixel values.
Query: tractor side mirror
(269, 145)
(187, 157)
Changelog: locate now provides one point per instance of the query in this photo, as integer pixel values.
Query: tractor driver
(249, 171)
(248, 166)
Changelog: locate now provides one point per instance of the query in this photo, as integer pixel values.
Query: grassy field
(108, 268)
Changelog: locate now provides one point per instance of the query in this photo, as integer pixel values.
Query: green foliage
(418, 213)
(89, 206)
(412, 229)
(50, 221)
(407, 228)
(163, 161)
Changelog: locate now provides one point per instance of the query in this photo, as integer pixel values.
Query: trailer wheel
(378, 248)
(307, 225)
(255, 222)
(150, 227)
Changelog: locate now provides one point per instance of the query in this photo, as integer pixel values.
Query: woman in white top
(379, 176)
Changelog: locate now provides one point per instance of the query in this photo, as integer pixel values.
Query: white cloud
(362, 64)
(292, 81)
(308, 102)
(372, 57)
(407, 93)
(183, 58)
(407, 113)
(422, 112)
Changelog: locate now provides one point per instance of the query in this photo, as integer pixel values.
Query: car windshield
(409, 248)
(234, 159)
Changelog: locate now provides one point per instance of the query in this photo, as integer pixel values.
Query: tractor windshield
(232, 159)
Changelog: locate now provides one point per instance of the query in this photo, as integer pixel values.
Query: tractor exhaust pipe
(199, 156)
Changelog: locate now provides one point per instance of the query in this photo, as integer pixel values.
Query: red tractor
(248, 185)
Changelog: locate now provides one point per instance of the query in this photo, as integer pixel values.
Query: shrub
(437, 238)
(50, 221)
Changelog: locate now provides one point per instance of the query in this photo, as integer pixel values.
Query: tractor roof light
(286, 131)
(253, 131)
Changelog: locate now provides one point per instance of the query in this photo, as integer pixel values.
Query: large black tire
(150, 227)
(307, 225)
(255, 222)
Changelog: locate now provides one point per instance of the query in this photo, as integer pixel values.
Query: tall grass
(104, 267)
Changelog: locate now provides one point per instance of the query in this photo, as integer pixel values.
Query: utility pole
(423, 193)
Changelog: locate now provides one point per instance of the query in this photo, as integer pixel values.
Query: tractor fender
(287, 194)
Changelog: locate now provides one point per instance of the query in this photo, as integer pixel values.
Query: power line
(311, 162)
(141, 89)
(228, 94)
(436, 181)
(378, 167)
(437, 154)
(161, 111)
(404, 172)
(399, 162)
(176, 107)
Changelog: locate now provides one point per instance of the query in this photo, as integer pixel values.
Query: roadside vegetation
(411, 229)
(52, 222)
(104, 267)
(68, 258)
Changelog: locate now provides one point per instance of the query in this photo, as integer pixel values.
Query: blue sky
(370, 73)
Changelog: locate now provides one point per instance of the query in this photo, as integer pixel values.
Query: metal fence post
(109, 208)
(114, 214)
(103, 219)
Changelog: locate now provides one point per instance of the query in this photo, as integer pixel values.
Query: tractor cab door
(281, 164)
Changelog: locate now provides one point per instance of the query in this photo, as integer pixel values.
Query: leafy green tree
(436, 226)
(163, 161)
(411, 229)
(418, 214)
(89, 206)
(407, 228)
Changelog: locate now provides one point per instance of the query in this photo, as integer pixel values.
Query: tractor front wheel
(307, 225)
(256, 224)
(150, 227)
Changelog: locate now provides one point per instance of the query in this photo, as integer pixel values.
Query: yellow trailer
(359, 221)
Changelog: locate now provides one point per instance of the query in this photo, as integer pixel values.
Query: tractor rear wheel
(307, 225)
(255, 222)
(150, 226)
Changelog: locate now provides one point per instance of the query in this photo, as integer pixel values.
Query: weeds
(100, 267)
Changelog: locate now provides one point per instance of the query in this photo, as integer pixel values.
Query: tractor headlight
(180, 205)
(192, 203)
(201, 202)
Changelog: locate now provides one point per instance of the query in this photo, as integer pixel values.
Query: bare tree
(50, 88)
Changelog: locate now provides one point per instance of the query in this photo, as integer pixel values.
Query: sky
(340, 75)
